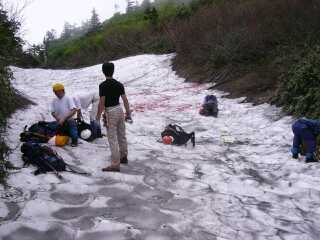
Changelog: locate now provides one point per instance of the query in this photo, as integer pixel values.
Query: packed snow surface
(239, 182)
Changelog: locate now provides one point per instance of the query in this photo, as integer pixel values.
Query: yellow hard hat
(61, 141)
(57, 87)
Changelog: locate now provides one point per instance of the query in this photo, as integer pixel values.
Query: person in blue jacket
(305, 134)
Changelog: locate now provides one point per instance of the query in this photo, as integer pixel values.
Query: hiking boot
(124, 160)
(111, 169)
(311, 160)
(295, 156)
(295, 152)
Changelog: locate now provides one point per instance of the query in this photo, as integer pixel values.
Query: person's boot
(111, 169)
(310, 158)
(295, 153)
(124, 160)
(295, 156)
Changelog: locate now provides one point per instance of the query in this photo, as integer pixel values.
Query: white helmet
(86, 134)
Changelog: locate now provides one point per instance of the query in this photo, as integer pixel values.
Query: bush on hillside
(10, 48)
(243, 31)
(299, 91)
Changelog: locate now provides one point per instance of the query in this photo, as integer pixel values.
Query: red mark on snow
(162, 100)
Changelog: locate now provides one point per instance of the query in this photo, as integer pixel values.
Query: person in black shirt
(110, 92)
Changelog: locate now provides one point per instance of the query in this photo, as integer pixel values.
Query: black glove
(128, 119)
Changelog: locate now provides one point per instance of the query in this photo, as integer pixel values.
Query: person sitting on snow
(83, 102)
(210, 106)
(63, 109)
(305, 136)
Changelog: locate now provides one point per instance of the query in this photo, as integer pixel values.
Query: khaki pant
(116, 132)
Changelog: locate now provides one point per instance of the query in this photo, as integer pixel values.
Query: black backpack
(180, 137)
(39, 132)
(43, 157)
(82, 125)
(46, 160)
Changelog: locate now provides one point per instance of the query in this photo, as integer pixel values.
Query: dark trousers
(69, 128)
(96, 130)
(303, 135)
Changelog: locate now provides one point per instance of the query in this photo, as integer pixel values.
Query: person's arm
(70, 115)
(55, 116)
(73, 110)
(79, 114)
(53, 111)
(100, 107)
(126, 105)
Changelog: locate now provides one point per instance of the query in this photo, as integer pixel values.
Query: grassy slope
(122, 35)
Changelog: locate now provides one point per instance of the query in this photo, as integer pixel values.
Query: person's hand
(128, 114)
(128, 118)
(61, 122)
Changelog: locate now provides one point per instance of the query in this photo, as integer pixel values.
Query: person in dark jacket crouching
(305, 138)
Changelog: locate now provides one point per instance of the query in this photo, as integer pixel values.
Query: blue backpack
(39, 132)
(210, 106)
(210, 99)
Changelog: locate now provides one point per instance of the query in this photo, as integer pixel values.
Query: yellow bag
(61, 141)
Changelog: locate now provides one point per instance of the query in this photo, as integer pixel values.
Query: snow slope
(238, 183)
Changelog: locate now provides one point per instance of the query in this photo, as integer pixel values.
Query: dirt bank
(258, 86)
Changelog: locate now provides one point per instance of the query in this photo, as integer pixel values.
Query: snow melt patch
(238, 183)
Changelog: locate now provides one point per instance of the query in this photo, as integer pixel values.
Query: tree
(146, 4)
(48, 39)
(10, 48)
(116, 9)
(152, 15)
(94, 22)
(10, 43)
(50, 35)
(67, 31)
(183, 12)
(131, 5)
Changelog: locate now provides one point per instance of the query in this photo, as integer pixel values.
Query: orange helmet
(167, 140)
(61, 141)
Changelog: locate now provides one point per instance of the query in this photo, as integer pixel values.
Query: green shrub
(10, 48)
(133, 33)
(300, 89)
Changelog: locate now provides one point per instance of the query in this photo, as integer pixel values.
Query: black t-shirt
(112, 90)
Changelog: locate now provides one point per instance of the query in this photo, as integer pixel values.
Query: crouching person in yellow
(63, 109)
(110, 92)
